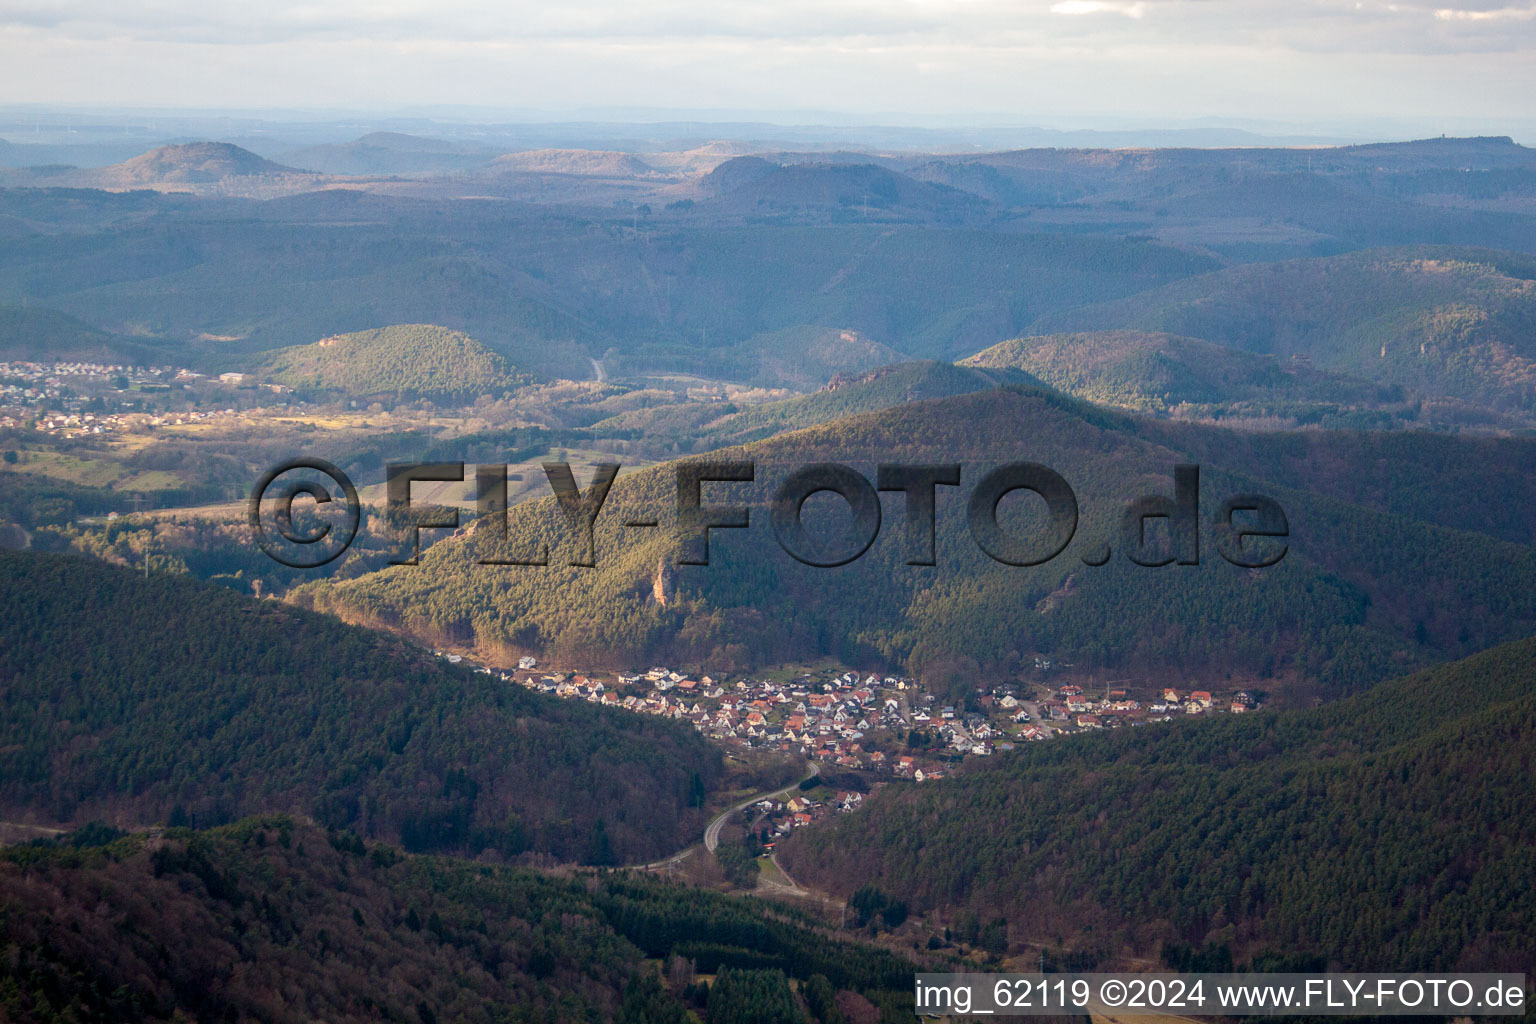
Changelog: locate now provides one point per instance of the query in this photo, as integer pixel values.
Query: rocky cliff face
(663, 582)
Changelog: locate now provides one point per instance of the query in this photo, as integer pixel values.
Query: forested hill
(1392, 830)
(140, 700)
(1366, 592)
(1465, 482)
(270, 920)
(1438, 321)
(402, 359)
(1157, 373)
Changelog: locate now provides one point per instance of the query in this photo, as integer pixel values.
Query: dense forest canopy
(141, 700)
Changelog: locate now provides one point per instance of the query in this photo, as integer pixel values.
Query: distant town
(79, 399)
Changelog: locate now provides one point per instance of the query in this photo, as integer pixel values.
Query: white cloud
(1276, 57)
(1496, 14)
(1131, 10)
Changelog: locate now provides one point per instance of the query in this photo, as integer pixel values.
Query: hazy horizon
(94, 132)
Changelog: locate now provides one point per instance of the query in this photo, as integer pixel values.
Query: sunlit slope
(402, 359)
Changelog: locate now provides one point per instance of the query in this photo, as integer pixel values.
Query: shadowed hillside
(1384, 831)
(142, 700)
(275, 920)
(32, 334)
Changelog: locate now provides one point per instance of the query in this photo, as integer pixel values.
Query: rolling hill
(402, 359)
(138, 700)
(1385, 831)
(541, 287)
(1366, 591)
(1437, 322)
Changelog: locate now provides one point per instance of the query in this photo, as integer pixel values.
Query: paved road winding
(712, 833)
(712, 830)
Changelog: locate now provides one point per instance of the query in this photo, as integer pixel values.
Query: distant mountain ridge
(932, 256)
(1474, 152)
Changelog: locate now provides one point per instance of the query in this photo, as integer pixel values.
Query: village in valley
(81, 399)
(882, 724)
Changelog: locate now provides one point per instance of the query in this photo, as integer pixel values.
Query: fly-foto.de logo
(1154, 530)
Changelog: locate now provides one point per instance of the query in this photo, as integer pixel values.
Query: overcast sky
(1306, 61)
